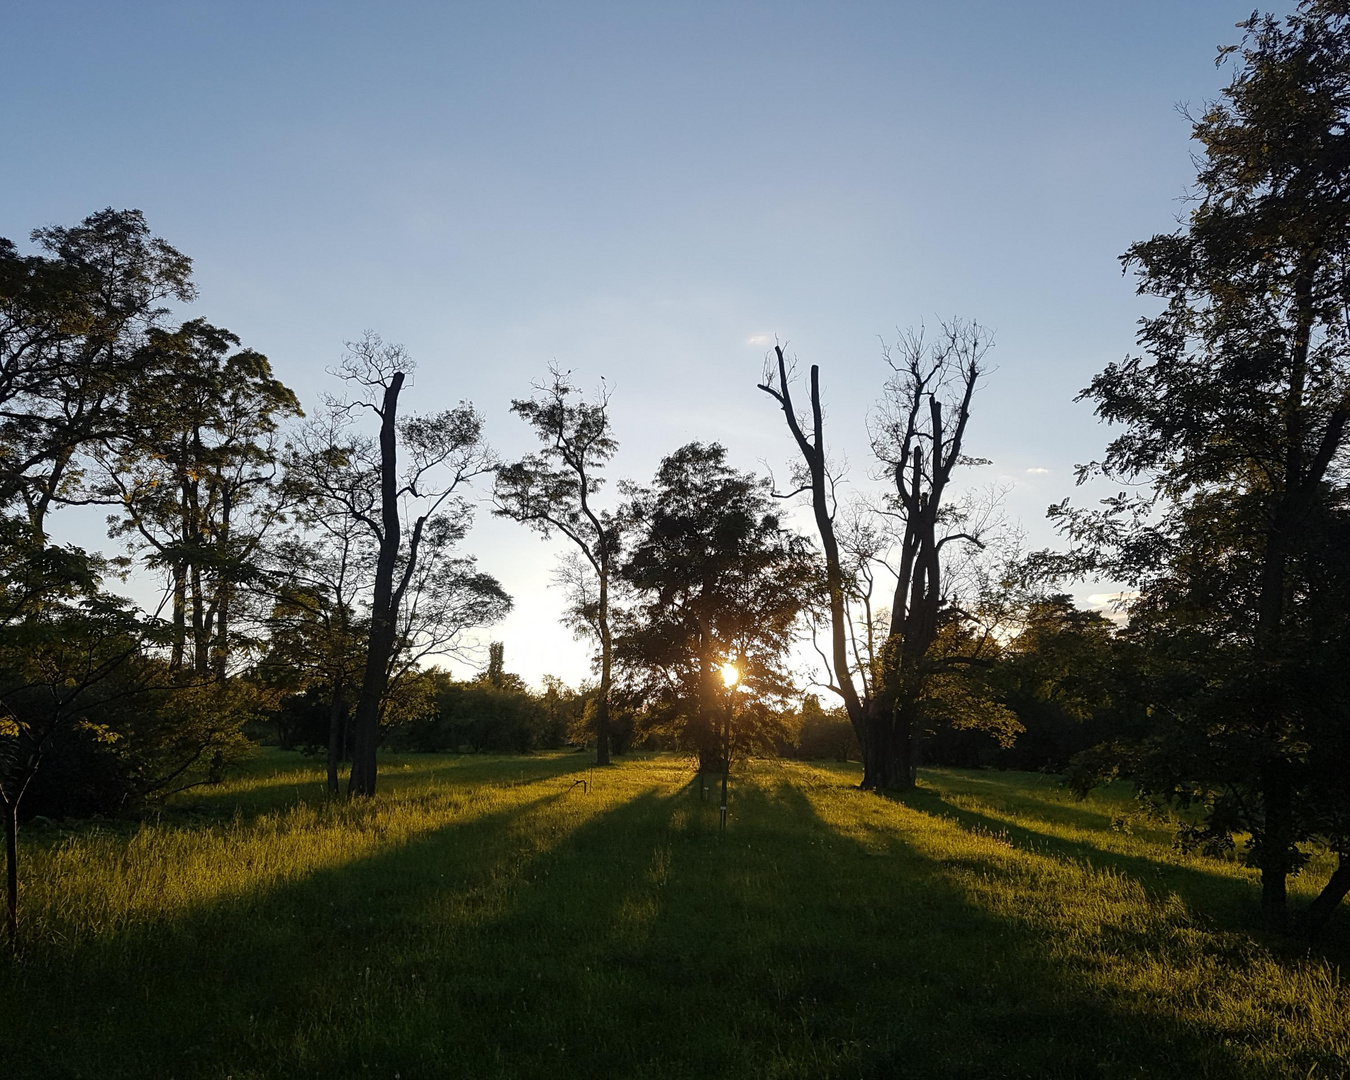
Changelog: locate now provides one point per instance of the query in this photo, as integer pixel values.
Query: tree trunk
(813, 454)
(201, 636)
(179, 646)
(383, 622)
(1315, 917)
(606, 662)
(1276, 845)
(220, 659)
(11, 811)
(335, 712)
(884, 759)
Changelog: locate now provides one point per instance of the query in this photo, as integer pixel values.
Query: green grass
(485, 917)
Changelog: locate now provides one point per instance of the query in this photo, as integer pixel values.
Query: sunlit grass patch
(492, 917)
(1123, 937)
(95, 880)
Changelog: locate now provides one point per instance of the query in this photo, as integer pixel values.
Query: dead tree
(917, 435)
(816, 479)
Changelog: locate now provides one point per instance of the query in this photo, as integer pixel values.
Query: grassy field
(486, 917)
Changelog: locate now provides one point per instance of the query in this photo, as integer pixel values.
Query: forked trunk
(383, 627)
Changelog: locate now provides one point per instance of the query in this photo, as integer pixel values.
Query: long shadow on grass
(603, 935)
(782, 948)
(275, 981)
(1227, 902)
(300, 779)
(941, 987)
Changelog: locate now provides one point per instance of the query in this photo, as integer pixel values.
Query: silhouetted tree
(363, 478)
(715, 578)
(554, 491)
(1236, 417)
(75, 321)
(317, 630)
(917, 436)
(193, 470)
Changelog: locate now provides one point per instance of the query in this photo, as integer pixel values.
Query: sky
(648, 193)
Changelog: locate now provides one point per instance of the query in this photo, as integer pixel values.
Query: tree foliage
(1235, 417)
(715, 577)
(554, 491)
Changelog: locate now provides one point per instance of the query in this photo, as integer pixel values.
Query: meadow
(493, 917)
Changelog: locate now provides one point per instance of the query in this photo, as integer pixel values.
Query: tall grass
(493, 917)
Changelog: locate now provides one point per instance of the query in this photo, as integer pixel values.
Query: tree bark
(179, 648)
(335, 711)
(606, 662)
(1315, 916)
(224, 592)
(11, 811)
(1277, 844)
(383, 624)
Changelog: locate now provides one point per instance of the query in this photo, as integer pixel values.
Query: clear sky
(648, 192)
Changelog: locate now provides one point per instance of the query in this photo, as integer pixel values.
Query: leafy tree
(193, 469)
(554, 491)
(73, 320)
(407, 510)
(90, 721)
(1062, 677)
(1235, 416)
(715, 578)
(825, 735)
(495, 712)
(317, 630)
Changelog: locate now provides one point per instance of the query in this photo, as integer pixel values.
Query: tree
(715, 579)
(1067, 677)
(1235, 416)
(72, 323)
(80, 689)
(193, 469)
(554, 491)
(917, 437)
(406, 510)
(317, 633)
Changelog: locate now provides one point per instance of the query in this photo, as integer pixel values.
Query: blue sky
(648, 192)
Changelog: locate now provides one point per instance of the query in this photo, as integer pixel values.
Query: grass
(487, 917)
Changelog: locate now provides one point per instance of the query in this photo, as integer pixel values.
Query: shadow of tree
(611, 934)
(1217, 898)
(942, 987)
(296, 779)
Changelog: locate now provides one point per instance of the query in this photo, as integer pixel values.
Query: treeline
(1068, 676)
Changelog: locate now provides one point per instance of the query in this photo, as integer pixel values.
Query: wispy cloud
(759, 340)
(1038, 471)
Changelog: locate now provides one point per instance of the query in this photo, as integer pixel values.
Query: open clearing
(487, 917)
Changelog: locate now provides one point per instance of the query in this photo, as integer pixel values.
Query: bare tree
(917, 436)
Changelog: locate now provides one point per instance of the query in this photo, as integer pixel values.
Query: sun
(730, 675)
